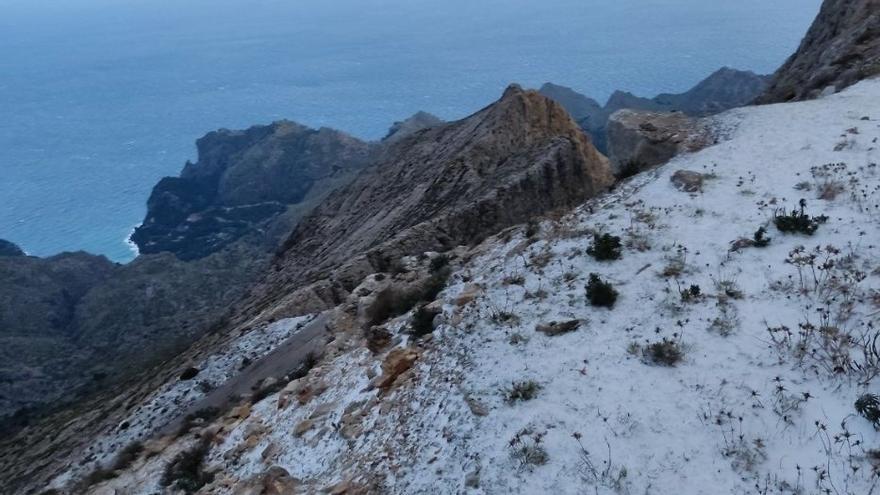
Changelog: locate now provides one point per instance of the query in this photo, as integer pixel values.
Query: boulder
(639, 140)
(688, 181)
(396, 363)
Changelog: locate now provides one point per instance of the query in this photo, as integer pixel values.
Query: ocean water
(101, 98)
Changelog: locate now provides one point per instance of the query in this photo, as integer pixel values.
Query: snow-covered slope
(776, 344)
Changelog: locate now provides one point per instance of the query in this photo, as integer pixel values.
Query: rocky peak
(450, 185)
(243, 180)
(841, 48)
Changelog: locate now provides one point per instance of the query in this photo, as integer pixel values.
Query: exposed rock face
(416, 123)
(9, 249)
(724, 89)
(841, 48)
(446, 186)
(243, 179)
(639, 140)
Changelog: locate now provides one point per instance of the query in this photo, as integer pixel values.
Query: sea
(101, 98)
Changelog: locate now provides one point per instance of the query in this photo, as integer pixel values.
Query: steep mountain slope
(38, 300)
(241, 182)
(729, 361)
(724, 89)
(448, 185)
(841, 48)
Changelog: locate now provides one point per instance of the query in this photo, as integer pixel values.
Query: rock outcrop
(841, 48)
(639, 140)
(449, 185)
(9, 249)
(242, 180)
(724, 89)
(416, 123)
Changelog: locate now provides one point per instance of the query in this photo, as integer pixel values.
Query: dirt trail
(287, 357)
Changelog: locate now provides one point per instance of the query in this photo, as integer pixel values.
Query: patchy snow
(167, 402)
(773, 343)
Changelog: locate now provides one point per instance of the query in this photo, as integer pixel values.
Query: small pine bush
(665, 353)
(868, 407)
(759, 239)
(605, 247)
(797, 221)
(600, 293)
(422, 321)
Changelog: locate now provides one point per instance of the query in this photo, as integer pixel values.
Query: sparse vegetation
(199, 417)
(186, 471)
(392, 302)
(422, 321)
(527, 450)
(438, 263)
(606, 247)
(868, 407)
(666, 352)
(522, 391)
(797, 221)
(760, 239)
(600, 293)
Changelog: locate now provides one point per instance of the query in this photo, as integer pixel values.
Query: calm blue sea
(100, 98)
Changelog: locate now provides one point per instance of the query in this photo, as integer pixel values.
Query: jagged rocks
(639, 140)
(841, 48)
(397, 362)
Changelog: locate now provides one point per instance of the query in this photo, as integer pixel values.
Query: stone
(687, 181)
(639, 140)
(468, 294)
(396, 363)
(302, 427)
(553, 328)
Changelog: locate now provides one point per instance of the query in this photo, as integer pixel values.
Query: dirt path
(284, 359)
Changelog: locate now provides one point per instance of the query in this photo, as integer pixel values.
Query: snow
(167, 402)
(745, 411)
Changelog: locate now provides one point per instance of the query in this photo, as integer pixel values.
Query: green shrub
(422, 321)
(797, 221)
(868, 407)
(759, 239)
(600, 293)
(665, 353)
(605, 247)
(186, 471)
(438, 263)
